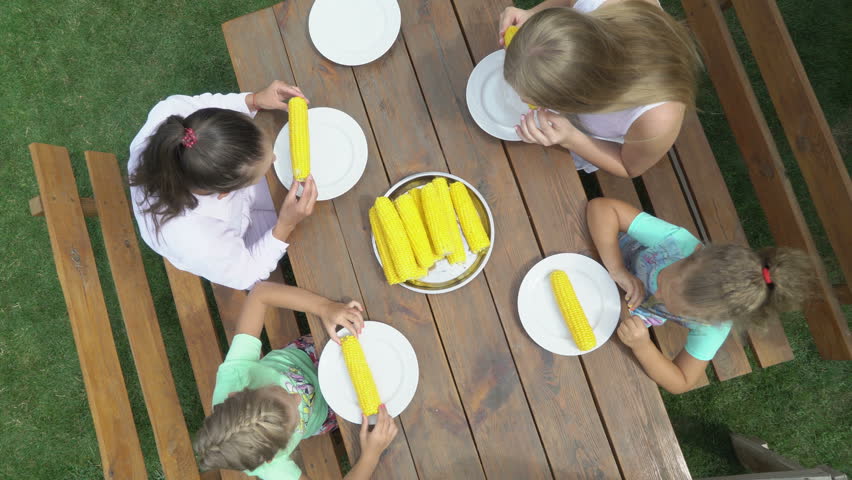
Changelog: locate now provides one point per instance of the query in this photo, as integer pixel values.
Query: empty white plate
(350, 32)
(493, 103)
(338, 152)
(392, 361)
(540, 313)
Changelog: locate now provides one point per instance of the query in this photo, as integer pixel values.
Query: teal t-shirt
(649, 246)
(290, 368)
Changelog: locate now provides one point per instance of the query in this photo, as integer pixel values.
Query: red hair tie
(766, 277)
(189, 138)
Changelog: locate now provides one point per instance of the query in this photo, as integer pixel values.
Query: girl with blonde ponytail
(668, 275)
(621, 74)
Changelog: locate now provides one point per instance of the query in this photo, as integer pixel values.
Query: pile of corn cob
(572, 311)
(420, 227)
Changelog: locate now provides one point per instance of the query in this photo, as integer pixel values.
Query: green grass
(84, 74)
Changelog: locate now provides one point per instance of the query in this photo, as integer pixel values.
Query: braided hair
(242, 433)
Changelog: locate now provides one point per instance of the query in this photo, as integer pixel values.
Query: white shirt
(227, 241)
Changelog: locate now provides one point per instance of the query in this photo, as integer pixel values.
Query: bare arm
(607, 217)
(676, 376)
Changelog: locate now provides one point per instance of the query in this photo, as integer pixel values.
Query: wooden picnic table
(490, 402)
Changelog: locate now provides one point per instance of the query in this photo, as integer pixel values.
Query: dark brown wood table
(490, 402)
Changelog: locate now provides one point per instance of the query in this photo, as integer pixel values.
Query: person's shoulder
(660, 122)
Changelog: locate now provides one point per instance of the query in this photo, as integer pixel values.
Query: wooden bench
(809, 138)
(121, 453)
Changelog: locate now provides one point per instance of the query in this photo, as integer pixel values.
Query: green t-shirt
(290, 368)
(649, 246)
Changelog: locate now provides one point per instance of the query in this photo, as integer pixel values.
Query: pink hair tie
(189, 138)
(766, 277)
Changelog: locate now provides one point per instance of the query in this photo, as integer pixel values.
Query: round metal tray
(443, 277)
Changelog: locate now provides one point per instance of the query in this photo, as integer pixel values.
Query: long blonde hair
(619, 56)
(245, 431)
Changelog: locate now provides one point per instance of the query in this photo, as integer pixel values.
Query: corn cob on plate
(540, 311)
(338, 152)
(391, 361)
(443, 276)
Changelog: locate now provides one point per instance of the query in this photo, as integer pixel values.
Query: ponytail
(732, 282)
(211, 150)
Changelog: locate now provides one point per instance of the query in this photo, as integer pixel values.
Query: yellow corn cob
(382, 246)
(508, 35)
(457, 253)
(469, 219)
(433, 214)
(362, 377)
(572, 311)
(300, 146)
(397, 240)
(413, 223)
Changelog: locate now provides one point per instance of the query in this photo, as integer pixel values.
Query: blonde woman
(621, 74)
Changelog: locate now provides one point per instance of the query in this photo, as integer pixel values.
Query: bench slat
(804, 123)
(826, 320)
(719, 216)
(630, 404)
(140, 318)
(121, 454)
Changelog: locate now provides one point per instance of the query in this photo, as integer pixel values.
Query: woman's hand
(512, 16)
(375, 442)
(346, 315)
(552, 129)
(295, 209)
(633, 288)
(634, 333)
(276, 95)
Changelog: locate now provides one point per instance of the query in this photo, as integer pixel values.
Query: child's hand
(552, 129)
(276, 95)
(383, 433)
(295, 209)
(633, 332)
(633, 288)
(511, 16)
(346, 315)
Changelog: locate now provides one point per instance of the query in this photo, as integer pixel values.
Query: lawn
(84, 73)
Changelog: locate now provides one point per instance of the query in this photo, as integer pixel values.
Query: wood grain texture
(259, 56)
(804, 123)
(638, 427)
(140, 319)
(827, 322)
(575, 443)
(90, 209)
(695, 160)
(121, 455)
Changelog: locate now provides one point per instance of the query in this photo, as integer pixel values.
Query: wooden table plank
(807, 131)
(629, 402)
(121, 454)
(576, 444)
(140, 318)
(320, 236)
(701, 171)
(826, 320)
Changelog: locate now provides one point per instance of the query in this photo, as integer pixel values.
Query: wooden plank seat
(118, 442)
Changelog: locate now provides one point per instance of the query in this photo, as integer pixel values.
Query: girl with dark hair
(668, 275)
(199, 193)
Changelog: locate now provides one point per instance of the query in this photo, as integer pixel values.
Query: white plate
(392, 361)
(540, 314)
(338, 152)
(350, 32)
(493, 103)
(445, 277)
